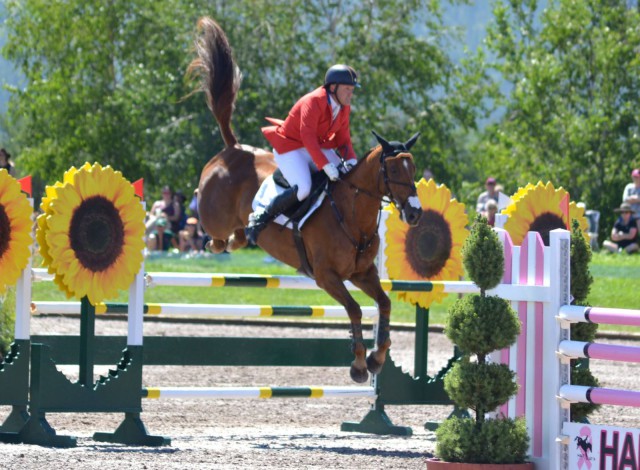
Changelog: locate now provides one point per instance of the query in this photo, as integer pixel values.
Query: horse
(583, 444)
(340, 240)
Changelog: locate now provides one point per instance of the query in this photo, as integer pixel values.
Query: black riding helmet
(342, 75)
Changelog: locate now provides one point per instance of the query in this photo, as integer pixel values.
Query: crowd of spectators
(172, 226)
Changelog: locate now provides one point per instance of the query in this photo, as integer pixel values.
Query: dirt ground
(268, 434)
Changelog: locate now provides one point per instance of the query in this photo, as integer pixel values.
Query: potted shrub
(479, 324)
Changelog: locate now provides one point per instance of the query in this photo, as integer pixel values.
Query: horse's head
(399, 172)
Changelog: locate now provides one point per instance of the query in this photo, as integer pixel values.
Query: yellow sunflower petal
(15, 230)
(89, 268)
(450, 218)
(537, 207)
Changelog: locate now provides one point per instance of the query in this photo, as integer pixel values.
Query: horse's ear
(386, 146)
(409, 143)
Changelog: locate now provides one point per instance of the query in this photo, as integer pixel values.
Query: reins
(361, 247)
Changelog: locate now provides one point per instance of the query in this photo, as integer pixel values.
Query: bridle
(387, 196)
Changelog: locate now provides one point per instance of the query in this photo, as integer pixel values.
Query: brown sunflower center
(428, 244)
(5, 231)
(544, 223)
(96, 233)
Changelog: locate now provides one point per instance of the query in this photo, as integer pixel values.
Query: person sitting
(490, 194)
(161, 237)
(308, 140)
(191, 238)
(177, 216)
(624, 232)
(491, 208)
(160, 208)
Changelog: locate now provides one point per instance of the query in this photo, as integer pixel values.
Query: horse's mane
(372, 151)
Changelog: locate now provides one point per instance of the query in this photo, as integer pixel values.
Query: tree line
(557, 85)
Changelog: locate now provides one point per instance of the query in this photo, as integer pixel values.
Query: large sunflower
(91, 232)
(537, 209)
(15, 230)
(432, 249)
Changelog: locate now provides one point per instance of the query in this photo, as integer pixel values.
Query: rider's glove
(346, 166)
(331, 171)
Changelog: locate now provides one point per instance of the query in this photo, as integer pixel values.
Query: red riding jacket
(309, 125)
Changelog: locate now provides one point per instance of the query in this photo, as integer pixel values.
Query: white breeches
(297, 166)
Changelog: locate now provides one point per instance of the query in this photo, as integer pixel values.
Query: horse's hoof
(359, 375)
(215, 246)
(373, 365)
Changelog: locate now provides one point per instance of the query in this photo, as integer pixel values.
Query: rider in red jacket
(316, 128)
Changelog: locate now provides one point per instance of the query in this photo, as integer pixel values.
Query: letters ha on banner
(602, 447)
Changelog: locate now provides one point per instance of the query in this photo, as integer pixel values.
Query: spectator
(631, 193)
(492, 209)
(161, 237)
(490, 193)
(624, 232)
(191, 238)
(179, 218)
(162, 208)
(6, 163)
(193, 205)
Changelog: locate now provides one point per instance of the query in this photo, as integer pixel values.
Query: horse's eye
(393, 170)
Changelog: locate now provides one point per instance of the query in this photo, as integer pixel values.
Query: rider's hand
(349, 164)
(331, 171)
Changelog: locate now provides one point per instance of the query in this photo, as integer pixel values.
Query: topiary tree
(581, 280)
(479, 324)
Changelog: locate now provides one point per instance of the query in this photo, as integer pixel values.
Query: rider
(316, 128)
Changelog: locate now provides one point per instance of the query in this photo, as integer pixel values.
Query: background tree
(570, 110)
(105, 81)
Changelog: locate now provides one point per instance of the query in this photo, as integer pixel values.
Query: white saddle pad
(268, 190)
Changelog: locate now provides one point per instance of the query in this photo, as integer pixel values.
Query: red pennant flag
(25, 184)
(138, 187)
(564, 208)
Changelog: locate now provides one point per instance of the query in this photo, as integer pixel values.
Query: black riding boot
(279, 204)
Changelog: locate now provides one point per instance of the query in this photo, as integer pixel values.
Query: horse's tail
(219, 75)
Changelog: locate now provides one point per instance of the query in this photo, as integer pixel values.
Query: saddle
(319, 182)
(295, 213)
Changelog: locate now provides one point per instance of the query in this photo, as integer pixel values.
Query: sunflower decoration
(432, 249)
(15, 230)
(91, 232)
(537, 208)
(41, 221)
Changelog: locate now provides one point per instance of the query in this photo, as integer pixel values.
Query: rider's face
(344, 93)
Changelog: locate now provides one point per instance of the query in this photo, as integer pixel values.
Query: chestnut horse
(341, 239)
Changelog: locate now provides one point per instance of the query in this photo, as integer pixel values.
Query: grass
(616, 284)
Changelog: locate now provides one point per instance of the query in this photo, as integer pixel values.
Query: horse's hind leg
(334, 286)
(237, 240)
(215, 245)
(369, 283)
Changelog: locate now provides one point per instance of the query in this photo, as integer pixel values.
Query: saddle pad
(268, 190)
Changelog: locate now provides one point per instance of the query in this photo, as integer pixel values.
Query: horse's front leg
(369, 283)
(335, 287)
